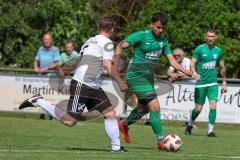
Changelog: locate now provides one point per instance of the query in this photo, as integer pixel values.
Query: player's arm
(176, 65)
(174, 75)
(131, 40)
(193, 69)
(107, 66)
(118, 52)
(224, 79)
(171, 75)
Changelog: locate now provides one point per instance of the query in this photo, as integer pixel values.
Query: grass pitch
(33, 139)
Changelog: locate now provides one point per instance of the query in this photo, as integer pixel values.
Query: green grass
(33, 139)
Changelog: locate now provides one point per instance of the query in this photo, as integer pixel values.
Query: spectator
(47, 57)
(178, 54)
(67, 59)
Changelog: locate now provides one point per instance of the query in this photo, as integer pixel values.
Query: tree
(189, 20)
(23, 23)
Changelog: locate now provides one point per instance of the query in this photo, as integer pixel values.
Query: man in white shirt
(95, 57)
(178, 54)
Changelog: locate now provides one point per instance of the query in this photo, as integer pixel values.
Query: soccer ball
(172, 143)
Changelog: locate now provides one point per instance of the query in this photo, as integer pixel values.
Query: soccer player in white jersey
(178, 54)
(85, 91)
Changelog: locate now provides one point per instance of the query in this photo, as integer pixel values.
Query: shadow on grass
(144, 148)
(86, 149)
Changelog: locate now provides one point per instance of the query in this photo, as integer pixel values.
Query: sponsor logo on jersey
(161, 44)
(153, 54)
(215, 56)
(209, 65)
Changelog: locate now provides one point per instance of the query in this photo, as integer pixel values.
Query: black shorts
(82, 96)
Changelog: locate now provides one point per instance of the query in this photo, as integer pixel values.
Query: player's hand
(196, 76)
(224, 88)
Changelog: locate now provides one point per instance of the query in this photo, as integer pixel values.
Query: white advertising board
(178, 103)
(15, 89)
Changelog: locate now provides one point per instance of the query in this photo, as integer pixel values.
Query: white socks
(51, 109)
(210, 128)
(111, 128)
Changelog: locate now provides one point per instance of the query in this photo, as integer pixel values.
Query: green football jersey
(147, 49)
(207, 58)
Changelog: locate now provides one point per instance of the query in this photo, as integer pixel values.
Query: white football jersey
(93, 52)
(185, 63)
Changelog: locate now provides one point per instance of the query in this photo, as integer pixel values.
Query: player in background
(203, 65)
(148, 45)
(96, 55)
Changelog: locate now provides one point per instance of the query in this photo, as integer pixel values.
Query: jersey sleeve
(134, 38)
(166, 49)
(108, 50)
(196, 53)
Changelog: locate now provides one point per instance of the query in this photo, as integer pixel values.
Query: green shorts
(142, 86)
(201, 93)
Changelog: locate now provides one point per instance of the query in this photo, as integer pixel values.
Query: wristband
(224, 82)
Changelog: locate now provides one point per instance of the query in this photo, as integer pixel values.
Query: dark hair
(69, 41)
(211, 30)
(106, 23)
(159, 16)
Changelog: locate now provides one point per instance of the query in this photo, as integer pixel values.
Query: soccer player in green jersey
(148, 45)
(203, 65)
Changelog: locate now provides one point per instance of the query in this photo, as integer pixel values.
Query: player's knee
(68, 120)
(69, 123)
(198, 109)
(212, 105)
(110, 115)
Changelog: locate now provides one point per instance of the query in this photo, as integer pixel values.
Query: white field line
(181, 156)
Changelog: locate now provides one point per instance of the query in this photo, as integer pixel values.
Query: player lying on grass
(148, 45)
(85, 91)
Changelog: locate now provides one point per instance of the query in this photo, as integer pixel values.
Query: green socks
(212, 116)
(156, 124)
(133, 117)
(194, 115)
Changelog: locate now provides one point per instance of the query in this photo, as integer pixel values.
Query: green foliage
(23, 23)
(189, 20)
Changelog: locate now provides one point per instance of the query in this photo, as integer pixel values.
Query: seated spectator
(47, 57)
(67, 59)
(178, 54)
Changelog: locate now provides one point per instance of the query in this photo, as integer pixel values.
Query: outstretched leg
(53, 110)
(136, 114)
